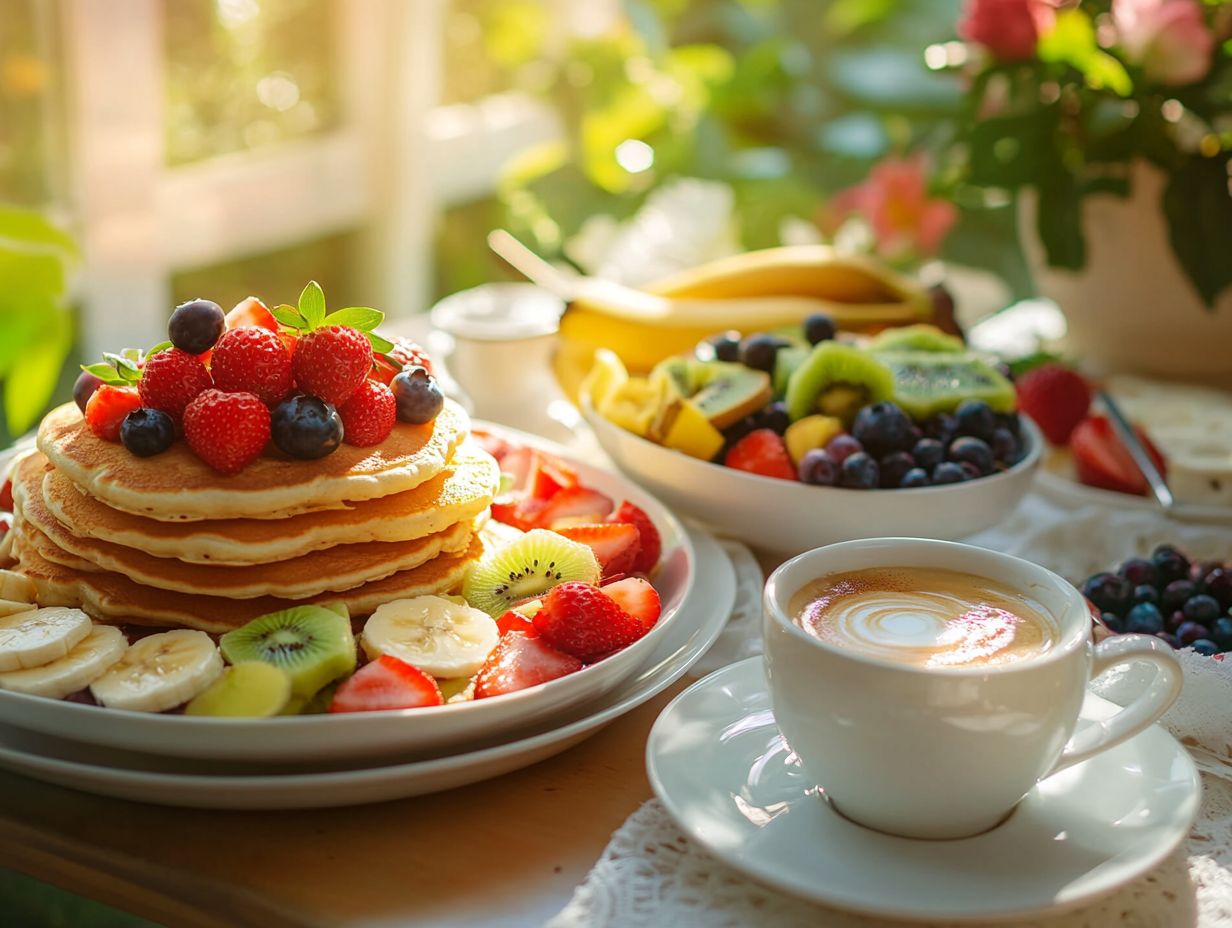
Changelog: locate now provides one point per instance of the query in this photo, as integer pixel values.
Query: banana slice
(85, 663)
(40, 636)
(160, 672)
(440, 637)
(11, 607)
(16, 586)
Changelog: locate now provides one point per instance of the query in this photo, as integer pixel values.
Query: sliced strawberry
(636, 597)
(1102, 460)
(518, 662)
(616, 544)
(516, 622)
(762, 452)
(493, 444)
(6, 496)
(518, 463)
(251, 311)
(651, 544)
(518, 511)
(549, 476)
(573, 505)
(582, 620)
(386, 683)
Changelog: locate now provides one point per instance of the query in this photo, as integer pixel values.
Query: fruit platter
(273, 538)
(802, 436)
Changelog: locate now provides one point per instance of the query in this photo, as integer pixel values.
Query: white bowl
(788, 517)
(368, 734)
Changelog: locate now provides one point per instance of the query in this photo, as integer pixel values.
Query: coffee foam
(931, 618)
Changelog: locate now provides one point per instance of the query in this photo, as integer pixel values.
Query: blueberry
(1199, 570)
(1145, 593)
(915, 478)
(1176, 593)
(976, 418)
(972, 472)
(894, 467)
(724, 347)
(842, 446)
(1168, 638)
(146, 432)
(1205, 646)
(928, 453)
(1171, 564)
(1174, 619)
(1189, 632)
(759, 351)
(1201, 608)
(1218, 583)
(1110, 593)
(196, 325)
(1138, 571)
(1144, 619)
(818, 468)
(306, 427)
(948, 472)
(1113, 621)
(942, 427)
(1005, 448)
(774, 417)
(971, 451)
(418, 395)
(737, 430)
(819, 328)
(859, 471)
(1221, 633)
(1011, 422)
(84, 388)
(882, 428)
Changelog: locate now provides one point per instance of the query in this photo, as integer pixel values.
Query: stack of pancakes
(167, 541)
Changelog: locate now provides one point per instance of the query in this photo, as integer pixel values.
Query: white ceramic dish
(790, 517)
(717, 761)
(178, 782)
(367, 734)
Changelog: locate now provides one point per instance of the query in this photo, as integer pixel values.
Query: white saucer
(720, 766)
(183, 782)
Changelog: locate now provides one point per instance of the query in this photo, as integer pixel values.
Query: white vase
(1132, 309)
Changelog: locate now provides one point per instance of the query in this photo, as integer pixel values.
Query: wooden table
(507, 852)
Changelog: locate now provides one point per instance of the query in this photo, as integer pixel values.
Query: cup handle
(1139, 714)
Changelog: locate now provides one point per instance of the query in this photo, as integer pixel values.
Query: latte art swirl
(932, 618)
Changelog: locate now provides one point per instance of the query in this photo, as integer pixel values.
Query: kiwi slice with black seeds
(525, 569)
(927, 383)
(313, 644)
(831, 365)
(920, 337)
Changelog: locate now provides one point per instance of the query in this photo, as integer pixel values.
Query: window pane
(492, 46)
(31, 119)
(243, 74)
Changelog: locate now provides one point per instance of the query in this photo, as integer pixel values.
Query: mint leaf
(312, 305)
(379, 345)
(106, 373)
(125, 367)
(357, 317)
(161, 346)
(289, 316)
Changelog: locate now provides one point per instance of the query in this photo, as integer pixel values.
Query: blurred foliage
(784, 100)
(31, 118)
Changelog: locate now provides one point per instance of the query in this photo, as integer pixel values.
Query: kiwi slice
(729, 392)
(314, 645)
(252, 689)
(526, 569)
(831, 365)
(920, 337)
(785, 364)
(927, 383)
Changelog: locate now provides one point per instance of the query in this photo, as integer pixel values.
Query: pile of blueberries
(1185, 603)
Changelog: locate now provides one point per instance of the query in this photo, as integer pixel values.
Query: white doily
(651, 875)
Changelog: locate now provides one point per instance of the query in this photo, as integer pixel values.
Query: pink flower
(1168, 38)
(1009, 29)
(894, 201)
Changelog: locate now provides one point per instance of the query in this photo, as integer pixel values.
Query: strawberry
(518, 464)
(519, 661)
(6, 524)
(582, 620)
(386, 683)
(251, 311)
(493, 444)
(616, 544)
(516, 622)
(227, 430)
(171, 379)
(252, 360)
(331, 362)
(651, 547)
(636, 597)
(6, 495)
(369, 415)
(575, 504)
(1102, 461)
(387, 366)
(762, 452)
(520, 512)
(107, 408)
(1056, 398)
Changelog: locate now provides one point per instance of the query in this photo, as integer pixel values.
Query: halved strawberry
(651, 544)
(493, 444)
(573, 505)
(1102, 461)
(517, 463)
(636, 597)
(518, 662)
(251, 311)
(548, 476)
(6, 496)
(582, 620)
(616, 544)
(386, 683)
(516, 622)
(520, 512)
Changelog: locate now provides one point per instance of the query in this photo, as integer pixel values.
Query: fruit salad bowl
(421, 731)
(789, 517)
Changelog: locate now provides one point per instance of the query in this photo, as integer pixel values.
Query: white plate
(717, 761)
(791, 517)
(177, 782)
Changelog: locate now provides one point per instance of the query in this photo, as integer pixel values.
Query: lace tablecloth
(652, 875)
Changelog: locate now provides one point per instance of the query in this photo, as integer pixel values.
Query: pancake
(178, 486)
(110, 597)
(460, 492)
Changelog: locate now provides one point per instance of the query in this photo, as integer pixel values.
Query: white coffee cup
(944, 753)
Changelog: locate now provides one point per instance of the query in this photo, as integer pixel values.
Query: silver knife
(1137, 451)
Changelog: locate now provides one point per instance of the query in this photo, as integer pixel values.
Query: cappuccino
(928, 617)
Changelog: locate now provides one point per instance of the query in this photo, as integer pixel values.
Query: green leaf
(1059, 222)
(106, 373)
(126, 368)
(1072, 41)
(32, 381)
(379, 345)
(312, 305)
(1199, 214)
(33, 228)
(289, 315)
(161, 346)
(357, 317)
